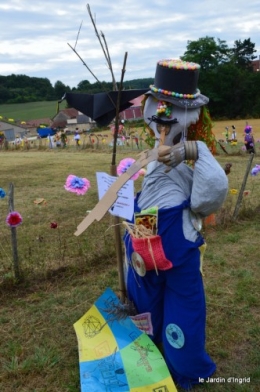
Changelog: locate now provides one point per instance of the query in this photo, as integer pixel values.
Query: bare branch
(84, 64)
(95, 28)
(118, 111)
(109, 61)
(78, 35)
(104, 49)
(91, 72)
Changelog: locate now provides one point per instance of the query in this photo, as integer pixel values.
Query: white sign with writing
(124, 205)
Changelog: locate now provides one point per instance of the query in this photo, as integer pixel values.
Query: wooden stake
(16, 266)
(241, 193)
(119, 252)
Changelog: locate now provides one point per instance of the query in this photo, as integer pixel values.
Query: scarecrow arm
(173, 156)
(111, 195)
(210, 183)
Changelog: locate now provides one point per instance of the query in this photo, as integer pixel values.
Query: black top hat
(176, 82)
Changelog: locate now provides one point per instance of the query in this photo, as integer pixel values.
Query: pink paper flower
(14, 219)
(124, 165)
(77, 185)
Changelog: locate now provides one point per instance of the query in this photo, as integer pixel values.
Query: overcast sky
(35, 34)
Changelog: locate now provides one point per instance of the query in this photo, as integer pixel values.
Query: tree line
(22, 88)
(226, 77)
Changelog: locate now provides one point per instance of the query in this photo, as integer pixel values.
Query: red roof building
(135, 111)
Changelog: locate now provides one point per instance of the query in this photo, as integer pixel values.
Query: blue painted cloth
(175, 299)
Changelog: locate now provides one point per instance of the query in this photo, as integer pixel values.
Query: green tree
(243, 53)
(60, 89)
(207, 52)
(84, 86)
(4, 94)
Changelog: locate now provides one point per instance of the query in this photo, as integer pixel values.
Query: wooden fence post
(16, 266)
(241, 193)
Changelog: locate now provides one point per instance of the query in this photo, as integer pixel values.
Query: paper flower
(77, 185)
(14, 219)
(255, 170)
(233, 191)
(124, 165)
(246, 193)
(53, 225)
(2, 193)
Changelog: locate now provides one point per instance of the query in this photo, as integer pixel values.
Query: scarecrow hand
(172, 156)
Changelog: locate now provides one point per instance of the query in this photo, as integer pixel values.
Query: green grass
(30, 111)
(65, 274)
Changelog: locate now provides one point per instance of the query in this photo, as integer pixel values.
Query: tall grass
(65, 274)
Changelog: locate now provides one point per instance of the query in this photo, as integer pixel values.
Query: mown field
(30, 111)
(65, 274)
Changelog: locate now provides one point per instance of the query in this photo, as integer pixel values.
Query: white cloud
(35, 35)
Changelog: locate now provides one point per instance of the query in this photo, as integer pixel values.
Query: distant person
(63, 138)
(77, 137)
(234, 133)
(18, 140)
(52, 141)
(227, 135)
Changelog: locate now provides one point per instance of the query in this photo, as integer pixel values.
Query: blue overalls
(175, 298)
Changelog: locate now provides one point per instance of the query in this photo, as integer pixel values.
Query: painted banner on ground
(114, 355)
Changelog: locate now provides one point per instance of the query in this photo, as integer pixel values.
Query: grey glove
(172, 156)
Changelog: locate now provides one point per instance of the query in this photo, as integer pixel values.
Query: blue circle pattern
(175, 336)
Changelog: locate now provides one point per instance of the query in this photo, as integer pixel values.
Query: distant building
(135, 111)
(36, 123)
(256, 65)
(12, 130)
(71, 117)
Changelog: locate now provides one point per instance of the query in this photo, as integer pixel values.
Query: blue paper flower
(255, 170)
(77, 185)
(2, 193)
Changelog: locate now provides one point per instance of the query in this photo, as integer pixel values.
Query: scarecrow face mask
(167, 118)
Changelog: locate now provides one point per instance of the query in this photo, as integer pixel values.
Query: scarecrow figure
(163, 274)
(249, 139)
(183, 185)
